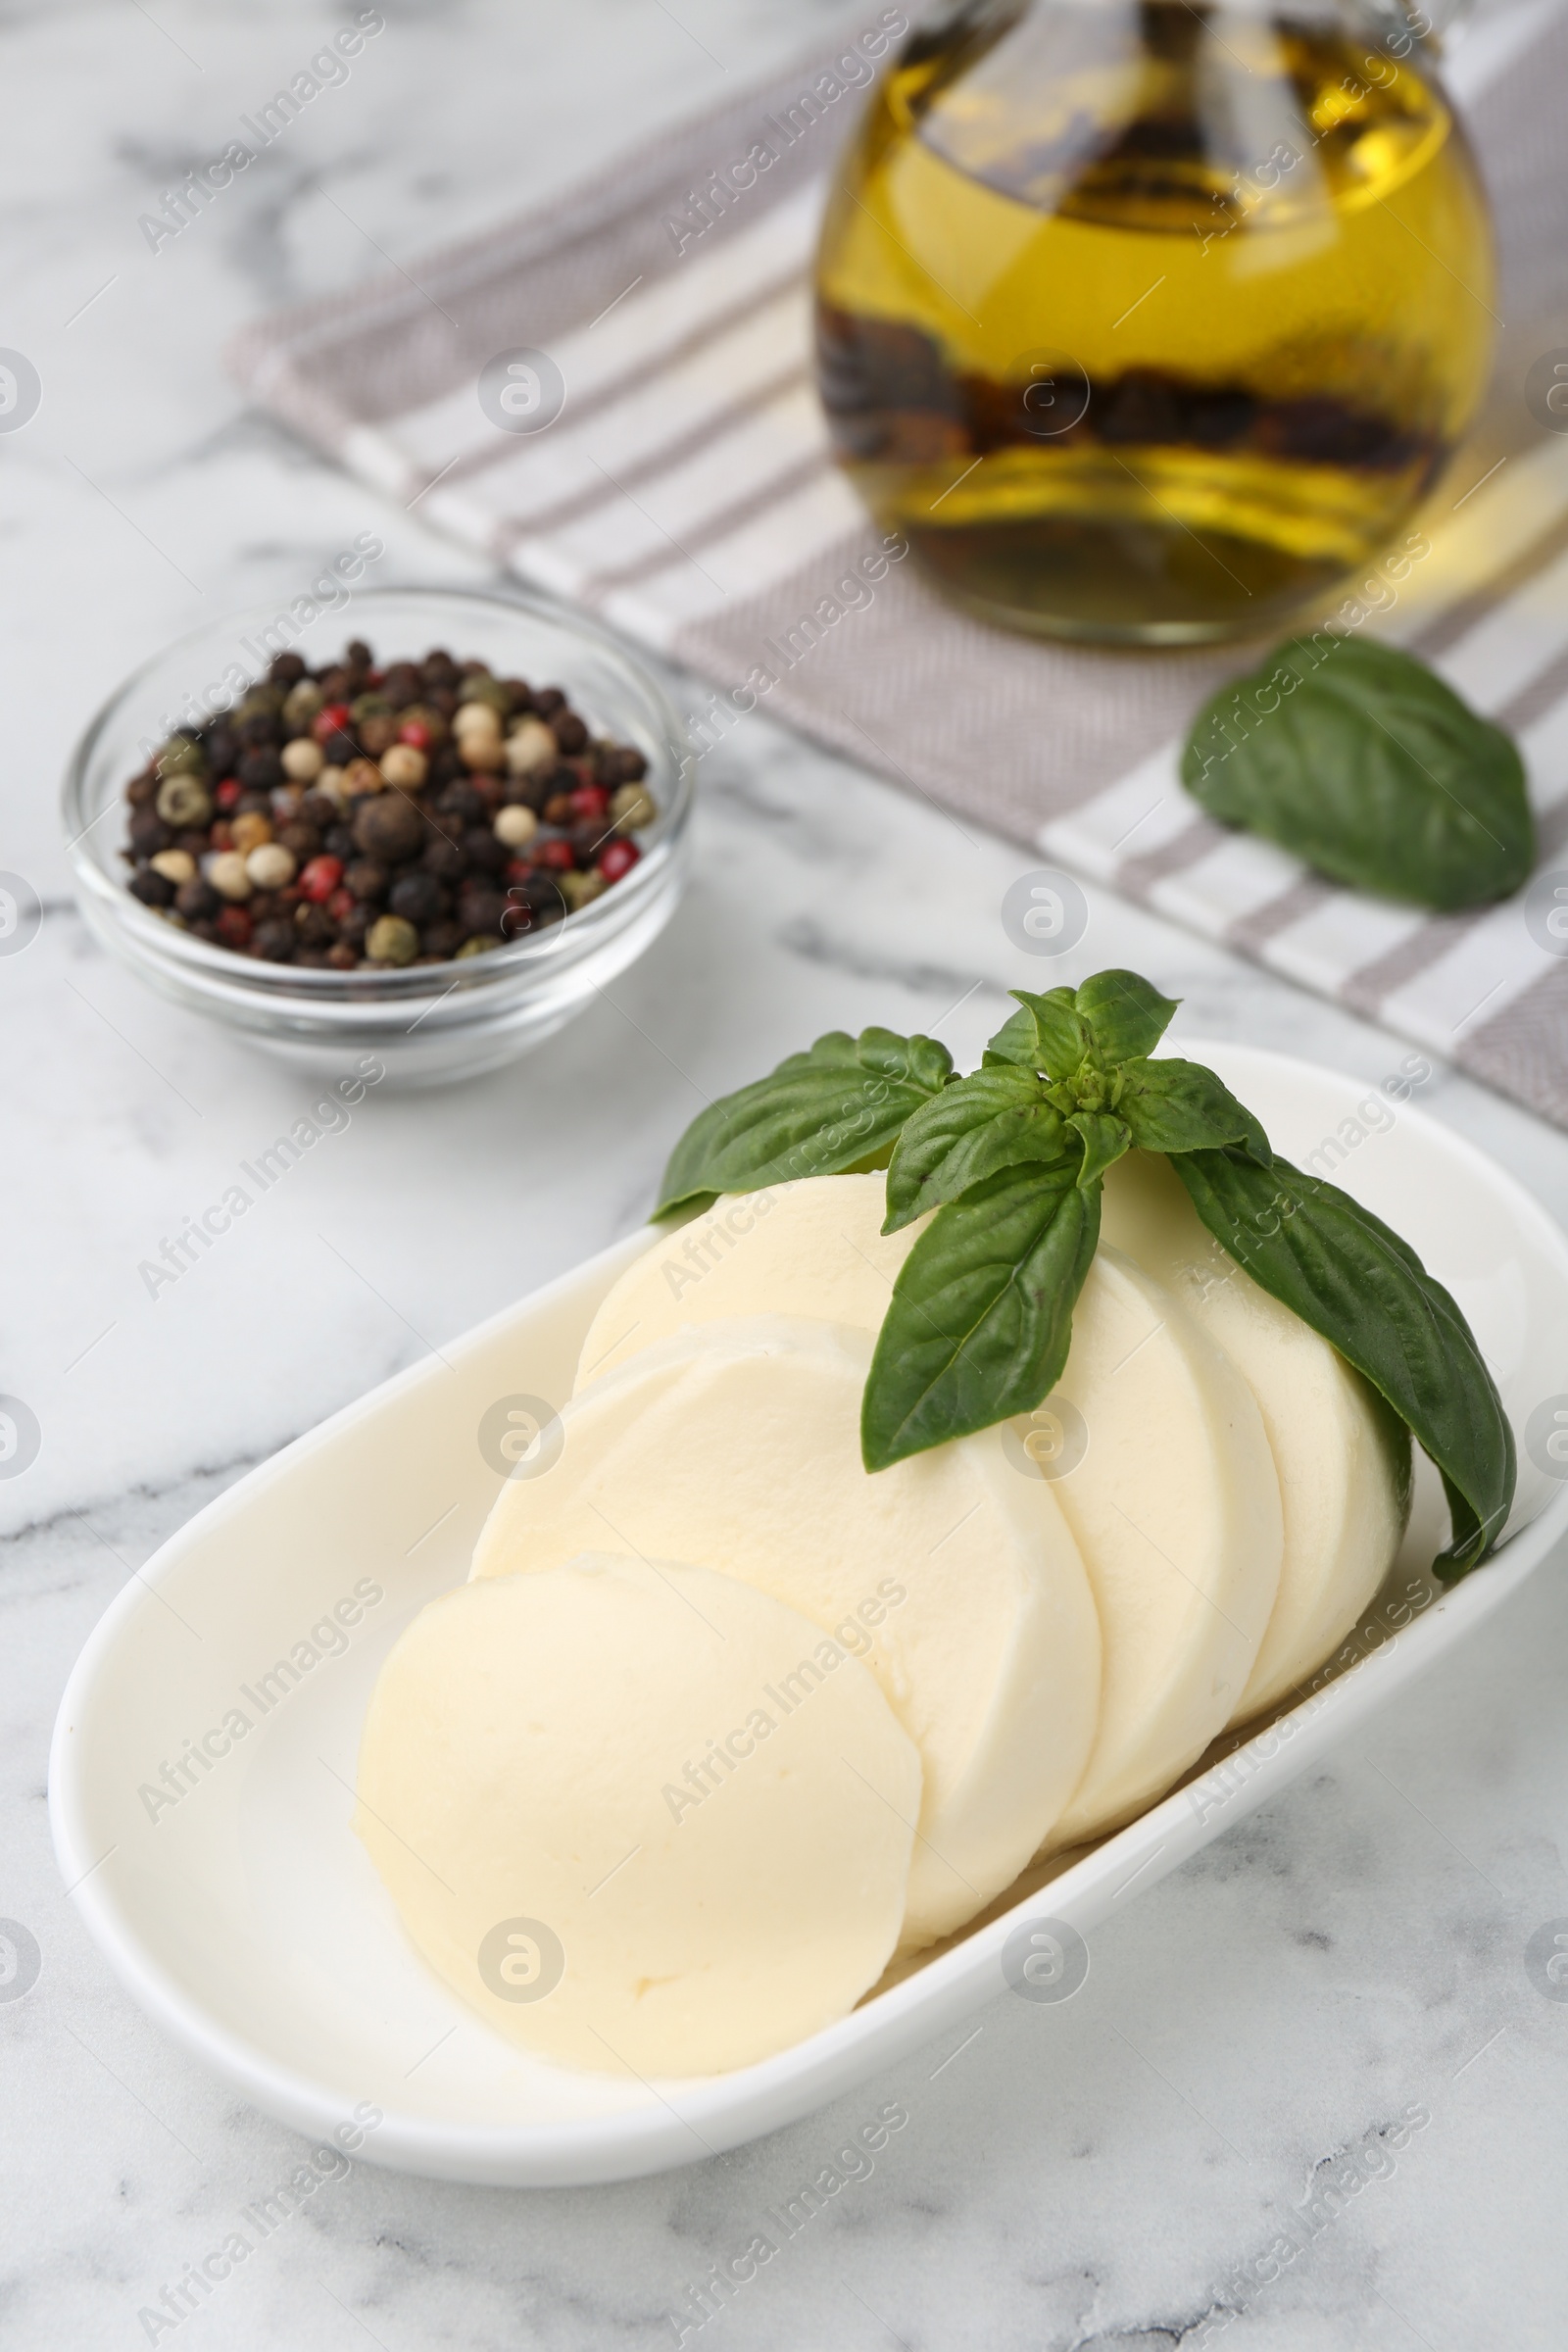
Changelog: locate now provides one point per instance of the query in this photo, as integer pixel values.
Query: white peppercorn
(227, 873)
(270, 866)
(303, 760)
(516, 826)
(404, 766)
(175, 865)
(531, 748)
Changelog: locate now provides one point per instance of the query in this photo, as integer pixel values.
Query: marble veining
(1309, 2097)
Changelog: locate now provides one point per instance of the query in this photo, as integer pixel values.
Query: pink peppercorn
(320, 878)
(519, 870)
(341, 905)
(618, 857)
(556, 856)
(233, 927)
(330, 721)
(416, 734)
(589, 800)
(228, 793)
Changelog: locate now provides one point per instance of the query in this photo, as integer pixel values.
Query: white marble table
(1111, 2172)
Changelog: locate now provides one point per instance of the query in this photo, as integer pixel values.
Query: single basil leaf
(1063, 1039)
(980, 1319)
(1127, 1015)
(1357, 759)
(835, 1107)
(998, 1119)
(1354, 1280)
(1015, 1046)
(1174, 1105)
(1104, 1138)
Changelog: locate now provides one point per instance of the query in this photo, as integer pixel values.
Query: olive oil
(1147, 322)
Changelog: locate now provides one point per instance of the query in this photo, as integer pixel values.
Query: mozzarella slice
(1344, 1462)
(737, 1446)
(1176, 1508)
(812, 1248)
(612, 1840)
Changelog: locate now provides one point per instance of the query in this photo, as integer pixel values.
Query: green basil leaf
(1015, 1046)
(1104, 1138)
(836, 1107)
(1127, 1015)
(998, 1119)
(980, 1320)
(1357, 759)
(1062, 1038)
(1342, 1271)
(1174, 1105)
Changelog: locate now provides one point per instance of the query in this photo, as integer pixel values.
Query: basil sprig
(836, 1107)
(1011, 1159)
(1360, 759)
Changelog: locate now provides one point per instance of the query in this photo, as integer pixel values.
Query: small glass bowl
(431, 1023)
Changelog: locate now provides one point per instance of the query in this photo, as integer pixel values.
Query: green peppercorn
(369, 706)
(181, 756)
(264, 701)
(392, 940)
(184, 803)
(482, 688)
(304, 701)
(481, 946)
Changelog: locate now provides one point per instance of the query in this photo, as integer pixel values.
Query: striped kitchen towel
(685, 493)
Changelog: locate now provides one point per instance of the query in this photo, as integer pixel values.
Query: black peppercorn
(198, 902)
(420, 897)
(273, 940)
(153, 889)
(547, 701)
(365, 878)
(479, 910)
(260, 769)
(570, 732)
(443, 939)
(444, 860)
(389, 829)
(461, 801)
(340, 843)
(529, 792)
(484, 854)
(149, 834)
(286, 669)
(314, 927)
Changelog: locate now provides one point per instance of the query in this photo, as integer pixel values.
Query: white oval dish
(243, 1914)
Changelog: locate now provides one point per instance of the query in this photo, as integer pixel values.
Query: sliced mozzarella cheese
(1177, 1449)
(610, 1840)
(737, 1446)
(814, 1248)
(1176, 1508)
(1344, 1462)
